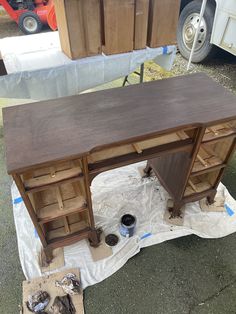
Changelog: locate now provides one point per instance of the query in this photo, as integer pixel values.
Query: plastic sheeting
(115, 193)
(39, 70)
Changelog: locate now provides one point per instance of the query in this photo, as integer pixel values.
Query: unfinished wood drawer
(59, 201)
(51, 212)
(118, 26)
(141, 23)
(65, 226)
(163, 139)
(212, 154)
(219, 131)
(163, 21)
(110, 153)
(50, 175)
(79, 26)
(201, 183)
(137, 147)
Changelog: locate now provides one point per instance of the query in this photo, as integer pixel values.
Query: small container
(111, 240)
(127, 225)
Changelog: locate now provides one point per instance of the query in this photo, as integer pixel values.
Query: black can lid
(111, 239)
(128, 220)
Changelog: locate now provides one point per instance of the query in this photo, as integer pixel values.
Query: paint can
(127, 225)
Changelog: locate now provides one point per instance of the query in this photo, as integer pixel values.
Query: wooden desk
(184, 126)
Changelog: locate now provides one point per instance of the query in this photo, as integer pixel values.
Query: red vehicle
(31, 15)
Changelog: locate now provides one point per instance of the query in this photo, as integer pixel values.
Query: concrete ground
(186, 275)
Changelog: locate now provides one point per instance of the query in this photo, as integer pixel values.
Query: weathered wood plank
(79, 26)
(118, 26)
(141, 24)
(163, 20)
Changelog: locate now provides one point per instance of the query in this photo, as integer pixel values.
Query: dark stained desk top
(71, 127)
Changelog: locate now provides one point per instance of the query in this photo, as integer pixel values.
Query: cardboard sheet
(47, 283)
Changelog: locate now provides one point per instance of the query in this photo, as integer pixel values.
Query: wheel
(30, 23)
(187, 27)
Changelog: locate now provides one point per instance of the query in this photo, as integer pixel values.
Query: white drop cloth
(115, 193)
(37, 69)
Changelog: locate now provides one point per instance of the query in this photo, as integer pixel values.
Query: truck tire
(30, 23)
(187, 26)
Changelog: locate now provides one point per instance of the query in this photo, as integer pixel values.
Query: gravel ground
(222, 69)
(186, 275)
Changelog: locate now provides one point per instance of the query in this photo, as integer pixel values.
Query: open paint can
(127, 225)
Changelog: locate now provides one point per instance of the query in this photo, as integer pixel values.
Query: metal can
(127, 225)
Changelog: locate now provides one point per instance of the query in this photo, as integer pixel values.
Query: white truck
(218, 28)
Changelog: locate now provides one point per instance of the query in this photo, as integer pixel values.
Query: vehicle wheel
(30, 23)
(187, 27)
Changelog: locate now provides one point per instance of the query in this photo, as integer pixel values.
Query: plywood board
(118, 26)
(100, 252)
(163, 20)
(141, 23)
(217, 206)
(47, 283)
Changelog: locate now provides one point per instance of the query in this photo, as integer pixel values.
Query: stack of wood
(90, 27)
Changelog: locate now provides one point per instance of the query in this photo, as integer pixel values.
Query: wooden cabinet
(58, 202)
(204, 168)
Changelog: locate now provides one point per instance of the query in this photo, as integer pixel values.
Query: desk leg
(211, 198)
(94, 234)
(95, 237)
(147, 169)
(48, 254)
(176, 209)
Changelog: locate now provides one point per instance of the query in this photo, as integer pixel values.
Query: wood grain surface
(118, 25)
(79, 25)
(172, 169)
(71, 127)
(141, 24)
(163, 21)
